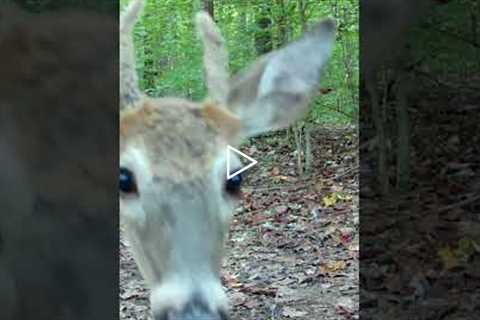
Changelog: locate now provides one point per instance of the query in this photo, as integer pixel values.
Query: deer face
(175, 201)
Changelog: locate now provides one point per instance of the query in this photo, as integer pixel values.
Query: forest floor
(293, 247)
(421, 248)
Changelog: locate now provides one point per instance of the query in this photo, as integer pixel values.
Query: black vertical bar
(420, 217)
(58, 160)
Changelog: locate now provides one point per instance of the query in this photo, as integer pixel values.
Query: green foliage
(447, 41)
(170, 56)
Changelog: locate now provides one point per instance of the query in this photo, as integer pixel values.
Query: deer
(175, 201)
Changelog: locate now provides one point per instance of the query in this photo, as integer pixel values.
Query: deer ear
(215, 58)
(276, 90)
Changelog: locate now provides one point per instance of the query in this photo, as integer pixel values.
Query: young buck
(175, 201)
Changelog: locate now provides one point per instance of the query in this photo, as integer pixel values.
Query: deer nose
(193, 311)
(191, 316)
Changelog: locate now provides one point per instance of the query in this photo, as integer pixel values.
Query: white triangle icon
(248, 166)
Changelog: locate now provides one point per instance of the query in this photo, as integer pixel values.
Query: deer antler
(215, 57)
(130, 93)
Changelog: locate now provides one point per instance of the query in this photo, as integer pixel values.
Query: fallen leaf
(448, 257)
(330, 200)
(333, 267)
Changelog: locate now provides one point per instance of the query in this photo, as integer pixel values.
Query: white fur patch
(136, 161)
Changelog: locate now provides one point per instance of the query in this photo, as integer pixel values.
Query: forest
(293, 248)
(419, 155)
(170, 58)
(307, 177)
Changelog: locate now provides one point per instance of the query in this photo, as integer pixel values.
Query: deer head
(174, 198)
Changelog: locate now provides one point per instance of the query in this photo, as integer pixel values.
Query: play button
(251, 163)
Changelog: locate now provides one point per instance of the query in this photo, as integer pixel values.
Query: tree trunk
(297, 131)
(308, 148)
(209, 7)
(263, 37)
(302, 9)
(403, 135)
(282, 23)
(304, 150)
(379, 121)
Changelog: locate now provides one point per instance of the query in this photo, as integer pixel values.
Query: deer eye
(233, 185)
(127, 183)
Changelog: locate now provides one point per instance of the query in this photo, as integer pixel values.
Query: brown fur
(227, 124)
